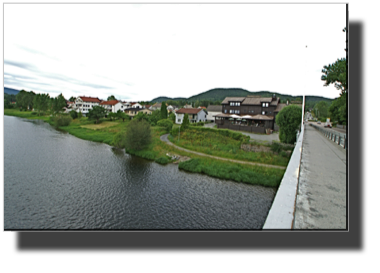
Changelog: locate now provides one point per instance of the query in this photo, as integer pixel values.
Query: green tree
(289, 120)
(141, 116)
(321, 109)
(72, 99)
(155, 117)
(164, 111)
(73, 114)
(172, 117)
(112, 97)
(112, 115)
(185, 123)
(58, 103)
(96, 113)
(166, 123)
(336, 74)
(25, 99)
(121, 115)
(138, 135)
(41, 102)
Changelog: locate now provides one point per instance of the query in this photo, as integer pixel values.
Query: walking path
(165, 139)
(321, 197)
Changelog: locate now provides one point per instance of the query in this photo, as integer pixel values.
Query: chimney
(274, 97)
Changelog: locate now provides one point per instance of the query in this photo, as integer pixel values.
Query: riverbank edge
(229, 170)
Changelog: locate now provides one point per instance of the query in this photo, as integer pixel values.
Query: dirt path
(165, 139)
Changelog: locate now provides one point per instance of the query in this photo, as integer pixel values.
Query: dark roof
(279, 107)
(214, 108)
(227, 99)
(189, 110)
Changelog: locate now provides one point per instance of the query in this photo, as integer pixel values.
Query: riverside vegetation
(222, 143)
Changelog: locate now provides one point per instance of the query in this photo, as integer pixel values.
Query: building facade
(195, 115)
(252, 114)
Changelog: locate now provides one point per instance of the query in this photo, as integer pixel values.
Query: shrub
(73, 114)
(283, 153)
(119, 140)
(289, 120)
(166, 123)
(276, 147)
(34, 113)
(138, 135)
(162, 160)
(61, 121)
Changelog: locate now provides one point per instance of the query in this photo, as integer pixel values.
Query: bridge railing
(338, 138)
(281, 214)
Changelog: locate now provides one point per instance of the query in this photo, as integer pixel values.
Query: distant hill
(219, 94)
(161, 99)
(10, 91)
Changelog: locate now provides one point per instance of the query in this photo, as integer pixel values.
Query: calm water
(56, 181)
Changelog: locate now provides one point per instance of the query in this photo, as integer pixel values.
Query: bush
(34, 113)
(283, 153)
(162, 160)
(73, 114)
(119, 140)
(276, 147)
(61, 121)
(166, 123)
(289, 120)
(138, 135)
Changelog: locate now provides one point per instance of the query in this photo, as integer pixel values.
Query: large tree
(336, 74)
(72, 99)
(25, 99)
(138, 135)
(112, 97)
(321, 109)
(58, 103)
(41, 102)
(164, 111)
(96, 113)
(186, 122)
(289, 120)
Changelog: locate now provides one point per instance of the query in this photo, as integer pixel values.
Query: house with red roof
(83, 104)
(195, 115)
(112, 106)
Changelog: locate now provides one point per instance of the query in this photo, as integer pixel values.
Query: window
(225, 111)
(263, 112)
(179, 120)
(237, 104)
(265, 104)
(237, 111)
(231, 111)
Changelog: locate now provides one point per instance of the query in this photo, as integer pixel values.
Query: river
(53, 180)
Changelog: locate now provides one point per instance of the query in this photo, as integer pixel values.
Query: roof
(111, 102)
(227, 99)
(251, 100)
(279, 107)
(256, 117)
(189, 110)
(90, 99)
(214, 108)
(147, 105)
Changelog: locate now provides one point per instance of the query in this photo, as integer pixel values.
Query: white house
(112, 106)
(136, 105)
(213, 110)
(195, 115)
(83, 104)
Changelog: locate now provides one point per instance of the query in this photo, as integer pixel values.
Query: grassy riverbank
(157, 150)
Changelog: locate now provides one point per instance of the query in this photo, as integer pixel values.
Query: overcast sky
(141, 51)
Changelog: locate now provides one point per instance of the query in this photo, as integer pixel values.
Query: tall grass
(268, 177)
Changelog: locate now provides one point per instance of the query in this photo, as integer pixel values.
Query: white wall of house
(210, 116)
(179, 118)
(137, 105)
(84, 106)
(201, 116)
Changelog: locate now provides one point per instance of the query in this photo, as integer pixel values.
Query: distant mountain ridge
(10, 91)
(219, 94)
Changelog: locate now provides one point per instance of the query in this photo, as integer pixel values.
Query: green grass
(213, 143)
(256, 175)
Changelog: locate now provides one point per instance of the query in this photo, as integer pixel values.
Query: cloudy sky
(142, 51)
